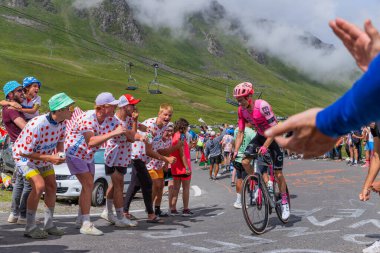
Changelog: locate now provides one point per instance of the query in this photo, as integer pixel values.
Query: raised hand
(363, 45)
(306, 138)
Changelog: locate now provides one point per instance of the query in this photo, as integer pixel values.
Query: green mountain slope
(83, 61)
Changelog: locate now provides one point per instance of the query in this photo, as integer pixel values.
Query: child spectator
(181, 169)
(32, 101)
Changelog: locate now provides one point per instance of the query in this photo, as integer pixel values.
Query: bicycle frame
(270, 171)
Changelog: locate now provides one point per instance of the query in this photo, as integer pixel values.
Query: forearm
(357, 107)
(168, 151)
(183, 157)
(37, 156)
(374, 168)
(29, 111)
(96, 141)
(268, 142)
(151, 153)
(372, 171)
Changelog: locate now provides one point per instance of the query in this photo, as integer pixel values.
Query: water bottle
(149, 136)
(270, 188)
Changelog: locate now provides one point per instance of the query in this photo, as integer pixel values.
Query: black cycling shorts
(199, 148)
(111, 170)
(275, 151)
(240, 171)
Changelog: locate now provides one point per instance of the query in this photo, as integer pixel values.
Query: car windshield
(99, 157)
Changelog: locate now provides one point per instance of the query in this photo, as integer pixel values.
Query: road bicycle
(257, 201)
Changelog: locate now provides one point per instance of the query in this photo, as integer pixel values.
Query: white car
(68, 186)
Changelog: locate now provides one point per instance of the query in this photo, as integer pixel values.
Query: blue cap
(30, 80)
(10, 86)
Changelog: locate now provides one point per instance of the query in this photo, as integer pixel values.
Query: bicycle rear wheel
(278, 202)
(255, 204)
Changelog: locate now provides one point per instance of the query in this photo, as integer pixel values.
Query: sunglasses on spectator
(70, 108)
(18, 90)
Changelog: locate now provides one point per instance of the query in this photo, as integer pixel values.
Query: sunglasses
(70, 108)
(18, 91)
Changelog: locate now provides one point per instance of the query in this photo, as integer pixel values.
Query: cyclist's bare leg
(281, 180)
(265, 177)
(246, 162)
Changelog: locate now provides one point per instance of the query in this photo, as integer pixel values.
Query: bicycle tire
(278, 203)
(257, 224)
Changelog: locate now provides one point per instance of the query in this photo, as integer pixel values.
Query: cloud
(291, 18)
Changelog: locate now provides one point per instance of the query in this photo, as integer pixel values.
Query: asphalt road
(326, 217)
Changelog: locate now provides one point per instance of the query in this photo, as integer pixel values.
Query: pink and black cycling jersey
(261, 117)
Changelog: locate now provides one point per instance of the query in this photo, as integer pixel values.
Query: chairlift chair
(154, 83)
(132, 83)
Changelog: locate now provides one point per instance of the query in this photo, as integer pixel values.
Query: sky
(291, 18)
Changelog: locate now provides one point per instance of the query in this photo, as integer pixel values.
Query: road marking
(92, 215)
(365, 222)
(217, 214)
(301, 231)
(197, 190)
(170, 234)
(352, 238)
(315, 222)
(299, 250)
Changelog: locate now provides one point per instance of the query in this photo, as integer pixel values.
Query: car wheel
(98, 194)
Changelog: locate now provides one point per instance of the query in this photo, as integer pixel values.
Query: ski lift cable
(69, 42)
(85, 38)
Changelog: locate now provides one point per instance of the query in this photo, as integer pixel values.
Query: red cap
(128, 99)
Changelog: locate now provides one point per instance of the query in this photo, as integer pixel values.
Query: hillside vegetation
(69, 53)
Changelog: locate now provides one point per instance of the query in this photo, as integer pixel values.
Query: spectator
(213, 151)
(14, 122)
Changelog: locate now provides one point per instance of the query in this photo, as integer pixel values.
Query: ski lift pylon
(154, 82)
(132, 83)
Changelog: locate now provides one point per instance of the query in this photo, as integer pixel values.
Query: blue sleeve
(357, 107)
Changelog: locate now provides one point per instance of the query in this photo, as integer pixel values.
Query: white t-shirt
(35, 101)
(152, 127)
(38, 136)
(138, 148)
(118, 150)
(75, 144)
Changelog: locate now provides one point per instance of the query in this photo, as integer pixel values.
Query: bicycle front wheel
(255, 204)
(278, 203)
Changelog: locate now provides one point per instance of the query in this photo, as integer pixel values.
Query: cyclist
(259, 113)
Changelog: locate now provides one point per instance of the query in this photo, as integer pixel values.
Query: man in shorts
(34, 158)
(88, 133)
(249, 134)
(213, 151)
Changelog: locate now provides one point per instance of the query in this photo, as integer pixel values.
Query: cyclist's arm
(267, 112)
(268, 141)
(356, 107)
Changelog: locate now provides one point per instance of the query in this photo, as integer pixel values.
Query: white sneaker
(22, 221)
(125, 222)
(238, 205)
(12, 218)
(285, 211)
(90, 230)
(374, 248)
(110, 217)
